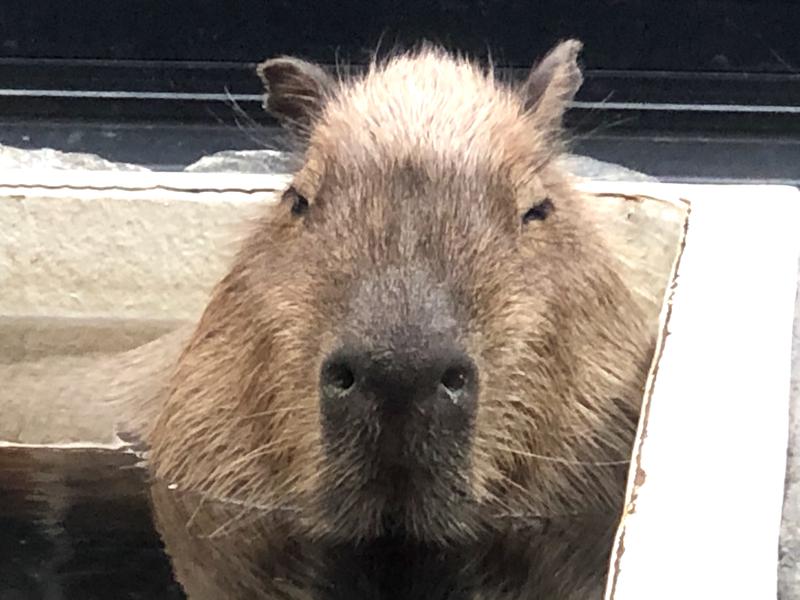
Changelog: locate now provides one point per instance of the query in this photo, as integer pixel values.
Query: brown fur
(423, 168)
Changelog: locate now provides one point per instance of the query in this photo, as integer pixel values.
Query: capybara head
(426, 334)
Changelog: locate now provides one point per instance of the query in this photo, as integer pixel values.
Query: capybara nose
(433, 388)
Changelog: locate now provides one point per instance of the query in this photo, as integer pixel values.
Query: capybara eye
(299, 202)
(538, 212)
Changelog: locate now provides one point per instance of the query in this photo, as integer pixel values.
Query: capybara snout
(400, 379)
(415, 387)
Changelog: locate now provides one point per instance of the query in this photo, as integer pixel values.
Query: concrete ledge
(118, 255)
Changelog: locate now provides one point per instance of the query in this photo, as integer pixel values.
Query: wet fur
(221, 551)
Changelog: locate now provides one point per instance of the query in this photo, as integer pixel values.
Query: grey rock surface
(255, 161)
(591, 168)
(243, 161)
(47, 158)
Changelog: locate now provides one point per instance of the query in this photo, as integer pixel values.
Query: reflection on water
(77, 524)
(85, 525)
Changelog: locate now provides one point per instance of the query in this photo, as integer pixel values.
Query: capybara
(426, 338)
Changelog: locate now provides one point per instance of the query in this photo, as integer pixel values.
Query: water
(85, 525)
(77, 524)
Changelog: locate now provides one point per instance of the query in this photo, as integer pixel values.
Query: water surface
(88, 524)
(77, 524)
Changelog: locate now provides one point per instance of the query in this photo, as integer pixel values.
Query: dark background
(687, 90)
(727, 35)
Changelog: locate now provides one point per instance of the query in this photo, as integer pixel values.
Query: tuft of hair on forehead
(426, 105)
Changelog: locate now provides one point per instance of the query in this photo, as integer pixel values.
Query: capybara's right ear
(295, 91)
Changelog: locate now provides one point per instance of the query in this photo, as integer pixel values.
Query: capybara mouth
(399, 483)
(397, 467)
(407, 488)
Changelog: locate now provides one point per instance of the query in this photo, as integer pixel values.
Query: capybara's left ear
(295, 91)
(553, 83)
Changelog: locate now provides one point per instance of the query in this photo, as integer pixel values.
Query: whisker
(565, 461)
(276, 411)
(260, 451)
(237, 519)
(237, 108)
(239, 115)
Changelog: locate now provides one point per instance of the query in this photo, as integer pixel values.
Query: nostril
(454, 379)
(339, 377)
